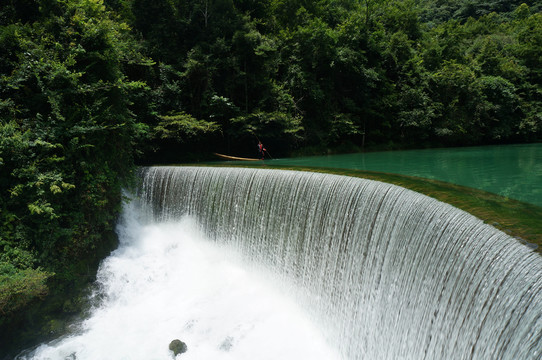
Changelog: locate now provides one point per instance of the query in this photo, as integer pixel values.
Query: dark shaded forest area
(335, 75)
(90, 88)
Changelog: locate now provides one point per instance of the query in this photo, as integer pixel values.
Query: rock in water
(178, 347)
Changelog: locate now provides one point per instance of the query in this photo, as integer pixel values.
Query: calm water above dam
(513, 171)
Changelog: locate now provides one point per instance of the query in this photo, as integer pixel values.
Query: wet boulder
(178, 347)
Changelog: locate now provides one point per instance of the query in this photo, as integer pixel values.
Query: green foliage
(367, 73)
(273, 124)
(438, 11)
(20, 288)
(182, 127)
(65, 95)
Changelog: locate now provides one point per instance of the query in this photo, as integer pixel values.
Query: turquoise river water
(512, 171)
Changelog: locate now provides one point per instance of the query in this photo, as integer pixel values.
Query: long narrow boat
(235, 157)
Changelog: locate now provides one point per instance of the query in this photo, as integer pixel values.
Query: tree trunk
(205, 12)
(246, 87)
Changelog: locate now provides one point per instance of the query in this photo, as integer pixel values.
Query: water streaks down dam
(364, 270)
(388, 273)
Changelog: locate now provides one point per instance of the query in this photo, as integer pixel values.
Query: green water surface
(512, 171)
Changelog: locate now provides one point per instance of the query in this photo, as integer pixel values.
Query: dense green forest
(90, 88)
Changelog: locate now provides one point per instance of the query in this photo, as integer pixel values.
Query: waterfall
(388, 273)
(270, 264)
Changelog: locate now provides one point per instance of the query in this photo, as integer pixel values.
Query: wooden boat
(228, 157)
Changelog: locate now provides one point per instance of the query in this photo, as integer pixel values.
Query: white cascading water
(268, 264)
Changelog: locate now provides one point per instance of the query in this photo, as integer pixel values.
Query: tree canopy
(334, 74)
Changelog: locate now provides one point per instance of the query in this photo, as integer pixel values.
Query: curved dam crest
(386, 272)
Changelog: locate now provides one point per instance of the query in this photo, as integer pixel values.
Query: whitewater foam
(165, 282)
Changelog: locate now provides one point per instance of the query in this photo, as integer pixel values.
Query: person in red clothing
(261, 150)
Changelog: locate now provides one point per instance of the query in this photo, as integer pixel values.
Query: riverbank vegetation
(66, 148)
(88, 88)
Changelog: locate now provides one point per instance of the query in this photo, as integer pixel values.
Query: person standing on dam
(261, 150)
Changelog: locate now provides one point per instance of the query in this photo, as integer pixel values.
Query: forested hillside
(338, 74)
(88, 88)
